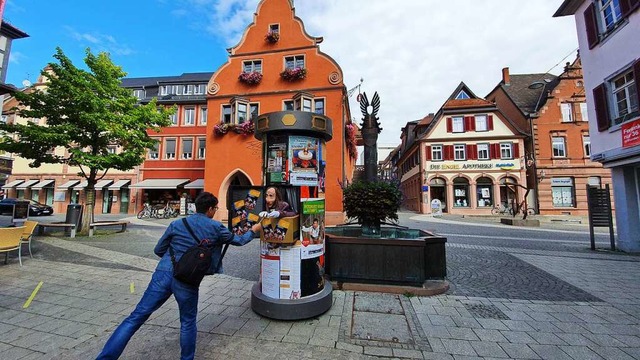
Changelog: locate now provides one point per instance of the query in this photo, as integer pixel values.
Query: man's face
(270, 196)
(315, 224)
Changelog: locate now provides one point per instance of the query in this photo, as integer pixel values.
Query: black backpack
(196, 261)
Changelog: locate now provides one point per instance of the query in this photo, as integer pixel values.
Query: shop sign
(564, 181)
(473, 166)
(631, 133)
(505, 166)
(436, 208)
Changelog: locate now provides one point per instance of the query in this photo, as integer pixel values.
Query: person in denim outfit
(163, 284)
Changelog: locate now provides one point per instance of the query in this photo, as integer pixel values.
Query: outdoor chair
(29, 227)
(11, 239)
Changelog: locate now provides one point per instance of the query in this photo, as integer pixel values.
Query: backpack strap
(186, 224)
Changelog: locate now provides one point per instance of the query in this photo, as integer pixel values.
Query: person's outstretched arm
(238, 240)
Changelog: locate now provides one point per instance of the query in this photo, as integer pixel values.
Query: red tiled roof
(462, 103)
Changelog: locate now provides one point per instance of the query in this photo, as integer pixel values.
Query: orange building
(559, 148)
(276, 66)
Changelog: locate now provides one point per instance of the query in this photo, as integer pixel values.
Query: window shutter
(591, 25)
(489, 122)
(470, 123)
(492, 153)
(628, 6)
(496, 151)
(449, 125)
(469, 151)
(516, 150)
(602, 110)
(448, 151)
(427, 152)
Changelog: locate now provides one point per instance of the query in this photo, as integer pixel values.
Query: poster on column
(270, 269)
(277, 159)
(312, 226)
(245, 203)
(290, 272)
(303, 161)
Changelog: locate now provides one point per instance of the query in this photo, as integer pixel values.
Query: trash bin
(74, 216)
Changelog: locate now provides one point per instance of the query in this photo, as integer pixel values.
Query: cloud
(414, 53)
(99, 42)
(15, 57)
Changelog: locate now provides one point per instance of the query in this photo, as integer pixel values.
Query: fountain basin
(398, 257)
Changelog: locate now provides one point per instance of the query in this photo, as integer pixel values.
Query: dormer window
(462, 95)
(274, 28)
(138, 94)
(200, 89)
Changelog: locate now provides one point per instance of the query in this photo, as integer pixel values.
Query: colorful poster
(246, 204)
(312, 226)
(303, 160)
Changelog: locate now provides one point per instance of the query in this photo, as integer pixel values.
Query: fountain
(363, 254)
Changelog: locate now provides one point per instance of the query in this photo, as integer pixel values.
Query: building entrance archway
(438, 190)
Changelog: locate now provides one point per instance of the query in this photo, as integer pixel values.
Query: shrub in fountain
(371, 204)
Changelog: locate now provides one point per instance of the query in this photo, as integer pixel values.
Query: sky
(414, 53)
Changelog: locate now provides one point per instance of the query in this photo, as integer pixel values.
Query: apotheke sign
(510, 165)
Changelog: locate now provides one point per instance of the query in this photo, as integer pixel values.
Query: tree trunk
(87, 211)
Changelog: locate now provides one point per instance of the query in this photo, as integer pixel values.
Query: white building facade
(609, 42)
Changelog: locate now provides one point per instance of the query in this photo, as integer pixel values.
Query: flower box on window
(245, 128)
(351, 141)
(250, 78)
(294, 74)
(272, 37)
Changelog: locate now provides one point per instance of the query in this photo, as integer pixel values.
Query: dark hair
(205, 201)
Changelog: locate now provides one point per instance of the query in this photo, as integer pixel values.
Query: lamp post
(542, 85)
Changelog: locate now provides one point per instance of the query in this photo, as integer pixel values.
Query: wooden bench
(122, 224)
(42, 226)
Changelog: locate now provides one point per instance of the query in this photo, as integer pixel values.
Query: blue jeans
(160, 288)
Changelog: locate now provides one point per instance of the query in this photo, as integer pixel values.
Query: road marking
(33, 295)
(132, 287)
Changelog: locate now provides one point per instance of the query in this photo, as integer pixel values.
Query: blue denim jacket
(178, 237)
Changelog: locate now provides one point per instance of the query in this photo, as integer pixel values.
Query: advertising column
(292, 284)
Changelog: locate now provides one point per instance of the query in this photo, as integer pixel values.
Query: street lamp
(542, 85)
(539, 85)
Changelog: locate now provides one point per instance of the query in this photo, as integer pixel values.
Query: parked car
(35, 208)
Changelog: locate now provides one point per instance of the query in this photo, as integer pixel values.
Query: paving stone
(580, 352)
(377, 302)
(407, 354)
(609, 352)
(458, 347)
(551, 352)
(378, 351)
(490, 335)
(518, 337)
(546, 338)
(488, 349)
(380, 327)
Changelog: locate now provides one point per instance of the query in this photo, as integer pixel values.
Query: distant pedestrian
(163, 284)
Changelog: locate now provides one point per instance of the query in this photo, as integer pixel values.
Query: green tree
(87, 113)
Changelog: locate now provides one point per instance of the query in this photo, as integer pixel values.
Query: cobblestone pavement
(505, 302)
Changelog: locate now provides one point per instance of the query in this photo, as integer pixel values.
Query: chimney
(505, 76)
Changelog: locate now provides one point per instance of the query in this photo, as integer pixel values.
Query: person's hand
(263, 214)
(274, 214)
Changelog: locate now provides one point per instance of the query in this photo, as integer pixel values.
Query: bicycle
(502, 210)
(145, 212)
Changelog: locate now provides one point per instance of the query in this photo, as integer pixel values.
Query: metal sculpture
(370, 128)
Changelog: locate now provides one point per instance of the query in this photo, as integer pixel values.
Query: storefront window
(461, 192)
(562, 192)
(438, 191)
(484, 190)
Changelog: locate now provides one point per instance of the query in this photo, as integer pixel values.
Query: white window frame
(189, 116)
(561, 141)
(154, 154)
(506, 151)
(483, 148)
(287, 105)
(459, 152)
(457, 124)
(615, 13)
(567, 112)
(186, 154)
(200, 89)
(482, 123)
(253, 115)
(437, 153)
(139, 93)
(586, 145)
(202, 151)
(238, 112)
(584, 113)
(174, 119)
(170, 155)
(203, 115)
(249, 66)
(629, 96)
(294, 62)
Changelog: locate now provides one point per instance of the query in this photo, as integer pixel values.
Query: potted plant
(223, 128)
(272, 37)
(294, 74)
(246, 128)
(250, 78)
(372, 203)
